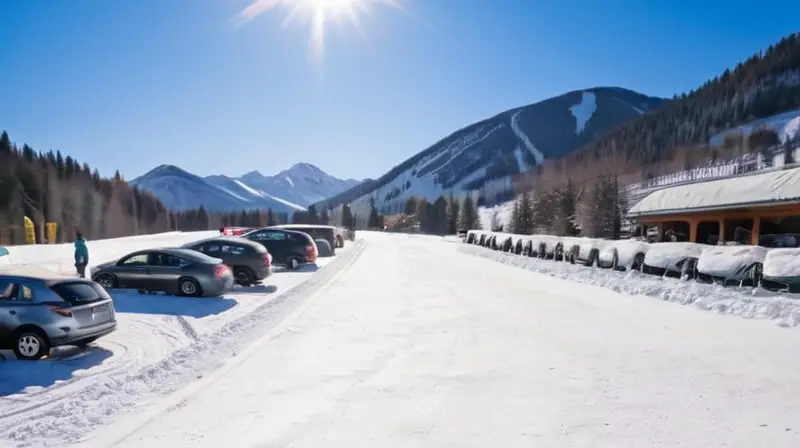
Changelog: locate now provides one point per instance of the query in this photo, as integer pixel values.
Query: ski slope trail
(416, 344)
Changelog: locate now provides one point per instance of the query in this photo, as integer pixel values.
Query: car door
(131, 271)
(276, 243)
(8, 312)
(164, 270)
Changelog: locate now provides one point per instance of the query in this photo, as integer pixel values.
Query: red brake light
(220, 270)
(267, 259)
(60, 311)
(311, 253)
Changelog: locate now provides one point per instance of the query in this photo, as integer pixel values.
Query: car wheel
(30, 345)
(107, 281)
(84, 342)
(189, 287)
(615, 261)
(244, 276)
(638, 263)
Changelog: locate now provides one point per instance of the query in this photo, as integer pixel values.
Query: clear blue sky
(134, 84)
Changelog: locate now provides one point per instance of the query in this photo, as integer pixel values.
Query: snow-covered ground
(161, 343)
(409, 341)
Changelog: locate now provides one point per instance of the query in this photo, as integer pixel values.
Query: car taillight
(267, 259)
(311, 252)
(61, 311)
(220, 271)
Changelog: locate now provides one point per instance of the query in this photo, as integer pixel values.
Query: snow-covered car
(739, 265)
(623, 254)
(547, 247)
(471, 237)
(583, 250)
(673, 259)
(781, 270)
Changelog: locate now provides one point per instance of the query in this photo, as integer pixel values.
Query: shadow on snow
(62, 365)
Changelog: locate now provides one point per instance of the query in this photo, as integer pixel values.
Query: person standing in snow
(81, 255)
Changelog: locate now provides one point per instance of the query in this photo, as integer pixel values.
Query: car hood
(107, 264)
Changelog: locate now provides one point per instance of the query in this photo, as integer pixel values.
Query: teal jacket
(81, 252)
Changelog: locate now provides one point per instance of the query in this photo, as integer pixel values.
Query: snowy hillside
(786, 125)
(290, 190)
(492, 150)
(181, 190)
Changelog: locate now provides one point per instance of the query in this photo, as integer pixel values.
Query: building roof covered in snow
(757, 190)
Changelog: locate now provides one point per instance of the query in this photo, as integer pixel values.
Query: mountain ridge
(292, 189)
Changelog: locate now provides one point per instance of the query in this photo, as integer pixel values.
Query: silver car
(41, 309)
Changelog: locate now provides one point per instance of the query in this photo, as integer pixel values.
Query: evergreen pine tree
(453, 213)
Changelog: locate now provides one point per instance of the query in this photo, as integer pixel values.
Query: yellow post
(30, 233)
(52, 232)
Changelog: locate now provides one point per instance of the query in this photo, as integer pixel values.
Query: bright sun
(318, 13)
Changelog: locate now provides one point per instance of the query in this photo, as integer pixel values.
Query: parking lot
(153, 333)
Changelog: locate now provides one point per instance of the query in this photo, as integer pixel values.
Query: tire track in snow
(68, 417)
(125, 355)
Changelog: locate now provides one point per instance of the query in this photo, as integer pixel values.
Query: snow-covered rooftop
(756, 190)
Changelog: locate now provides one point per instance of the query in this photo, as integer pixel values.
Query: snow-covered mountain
(181, 190)
(302, 184)
(495, 149)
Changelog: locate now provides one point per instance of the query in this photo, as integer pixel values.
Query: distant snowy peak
(302, 184)
(484, 156)
(304, 170)
(180, 190)
(290, 190)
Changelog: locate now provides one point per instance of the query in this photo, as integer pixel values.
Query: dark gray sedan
(249, 260)
(176, 271)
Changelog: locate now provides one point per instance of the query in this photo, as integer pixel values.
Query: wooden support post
(756, 233)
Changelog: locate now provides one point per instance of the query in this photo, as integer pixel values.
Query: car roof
(224, 239)
(293, 232)
(37, 273)
(302, 226)
(181, 252)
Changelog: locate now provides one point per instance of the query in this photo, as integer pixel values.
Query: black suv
(288, 248)
(317, 232)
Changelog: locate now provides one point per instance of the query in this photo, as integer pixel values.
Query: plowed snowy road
(416, 344)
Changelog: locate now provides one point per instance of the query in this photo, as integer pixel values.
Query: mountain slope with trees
(584, 188)
(509, 143)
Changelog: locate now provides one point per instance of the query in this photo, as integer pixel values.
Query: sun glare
(318, 13)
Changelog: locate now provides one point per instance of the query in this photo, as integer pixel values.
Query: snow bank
(667, 255)
(782, 263)
(725, 261)
(756, 303)
(59, 257)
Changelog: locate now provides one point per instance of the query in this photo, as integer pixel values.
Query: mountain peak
(303, 169)
(164, 170)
